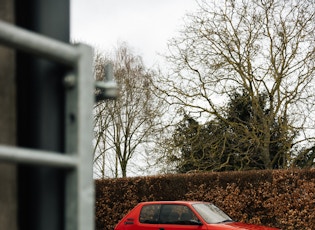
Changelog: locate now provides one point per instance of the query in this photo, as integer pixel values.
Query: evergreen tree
(221, 145)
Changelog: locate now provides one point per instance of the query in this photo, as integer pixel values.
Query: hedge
(278, 198)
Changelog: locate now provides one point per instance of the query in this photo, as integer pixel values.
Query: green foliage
(233, 142)
(305, 158)
(258, 55)
(278, 198)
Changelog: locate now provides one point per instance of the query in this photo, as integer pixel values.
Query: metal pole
(41, 124)
(37, 44)
(39, 157)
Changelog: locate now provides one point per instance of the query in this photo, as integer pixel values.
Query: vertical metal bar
(85, 136)
(79, 106)
(41, 116)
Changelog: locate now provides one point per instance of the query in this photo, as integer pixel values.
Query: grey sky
(145, 25)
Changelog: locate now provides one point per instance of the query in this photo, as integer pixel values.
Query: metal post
(41, 116)
(78, 194)
(79, 186)
(55, 103)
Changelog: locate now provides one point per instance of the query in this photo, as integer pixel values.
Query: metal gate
(79, 87)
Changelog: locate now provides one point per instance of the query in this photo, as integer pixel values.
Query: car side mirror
(195, 222)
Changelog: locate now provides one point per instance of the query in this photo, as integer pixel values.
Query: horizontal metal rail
(37, 157)
(79, 186)
(39, 45)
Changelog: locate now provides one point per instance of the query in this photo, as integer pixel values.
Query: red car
(180, 215)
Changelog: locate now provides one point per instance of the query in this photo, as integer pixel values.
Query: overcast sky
(145, 25)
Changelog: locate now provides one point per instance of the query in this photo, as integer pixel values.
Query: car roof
(172, 202)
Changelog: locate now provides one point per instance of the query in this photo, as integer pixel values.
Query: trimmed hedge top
(278, 198)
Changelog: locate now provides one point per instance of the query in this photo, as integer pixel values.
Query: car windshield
(211, 213)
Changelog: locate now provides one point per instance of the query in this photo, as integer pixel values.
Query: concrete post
(8, 192)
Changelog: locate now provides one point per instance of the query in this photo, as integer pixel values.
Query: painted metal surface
(79, 186)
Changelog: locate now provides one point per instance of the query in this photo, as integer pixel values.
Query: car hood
(239, 226)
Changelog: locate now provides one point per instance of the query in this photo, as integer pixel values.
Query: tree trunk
(123, 166)
(266, 147)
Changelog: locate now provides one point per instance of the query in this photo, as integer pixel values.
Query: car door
(178, 217)
(148, 217)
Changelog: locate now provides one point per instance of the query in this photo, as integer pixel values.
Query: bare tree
(125, 126)
(259, 46)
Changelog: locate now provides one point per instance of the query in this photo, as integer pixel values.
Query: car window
(150, 214)
(177, 214)
(211, 213)
(167, 214)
